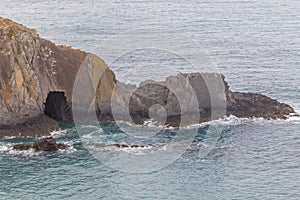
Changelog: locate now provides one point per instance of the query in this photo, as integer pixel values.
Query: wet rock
(45, 144)
(22, 147)
(36, 126)
(122, 145)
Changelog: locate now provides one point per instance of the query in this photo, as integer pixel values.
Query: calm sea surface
(255, 44)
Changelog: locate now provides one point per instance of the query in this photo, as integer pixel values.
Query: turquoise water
(254, 43)
(253, 159)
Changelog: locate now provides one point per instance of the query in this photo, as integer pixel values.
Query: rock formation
(36, 126)
(211, 98)
(37, 79)
(45, 144)
(30, 69)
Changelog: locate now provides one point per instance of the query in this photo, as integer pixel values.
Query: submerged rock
(45, 144)
(122, 145)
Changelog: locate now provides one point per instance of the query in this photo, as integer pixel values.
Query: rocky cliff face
(30, 68)
(37, 77)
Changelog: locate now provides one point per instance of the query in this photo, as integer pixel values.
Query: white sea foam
(235, 121)
(133, 150)
(137, 150)
(29, 152)
(230, 121)
(59, 133)
(294, 117)
(9, 137)
(70, 148)
(152, 124)
(8, 148)
(4, 147)
(92, 134)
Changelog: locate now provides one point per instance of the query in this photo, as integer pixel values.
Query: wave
(31, 152)
(6, 143)
(294, 118)
(227, 120)
(134, 150)
(7, 148)
(59, 133)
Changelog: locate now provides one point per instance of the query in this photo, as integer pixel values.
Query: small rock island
(37, 78)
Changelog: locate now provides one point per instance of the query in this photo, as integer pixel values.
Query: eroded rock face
(30, 68)
(248, 105)
(37, 76)
(45, 144)
(204, 102)
(210, 98)
(57, 107)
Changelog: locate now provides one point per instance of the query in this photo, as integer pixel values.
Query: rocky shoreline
(37, 79)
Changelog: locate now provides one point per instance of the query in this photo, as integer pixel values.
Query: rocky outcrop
(248, 105)
(45, 144)
(210, 98)
(31, 68)
(37, 79)
(36, 126)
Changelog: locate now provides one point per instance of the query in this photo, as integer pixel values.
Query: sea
(254, 43)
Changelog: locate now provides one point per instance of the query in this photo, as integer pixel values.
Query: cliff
(31, 68)
(37, 78)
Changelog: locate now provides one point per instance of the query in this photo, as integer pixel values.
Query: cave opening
(57, 106)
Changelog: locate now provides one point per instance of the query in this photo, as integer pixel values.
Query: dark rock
(122, 145)
(248, 105)
(22, 147)
(45, 144)
(57, 107)
(38, 126)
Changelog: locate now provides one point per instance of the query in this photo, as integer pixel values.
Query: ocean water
(255, 44)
